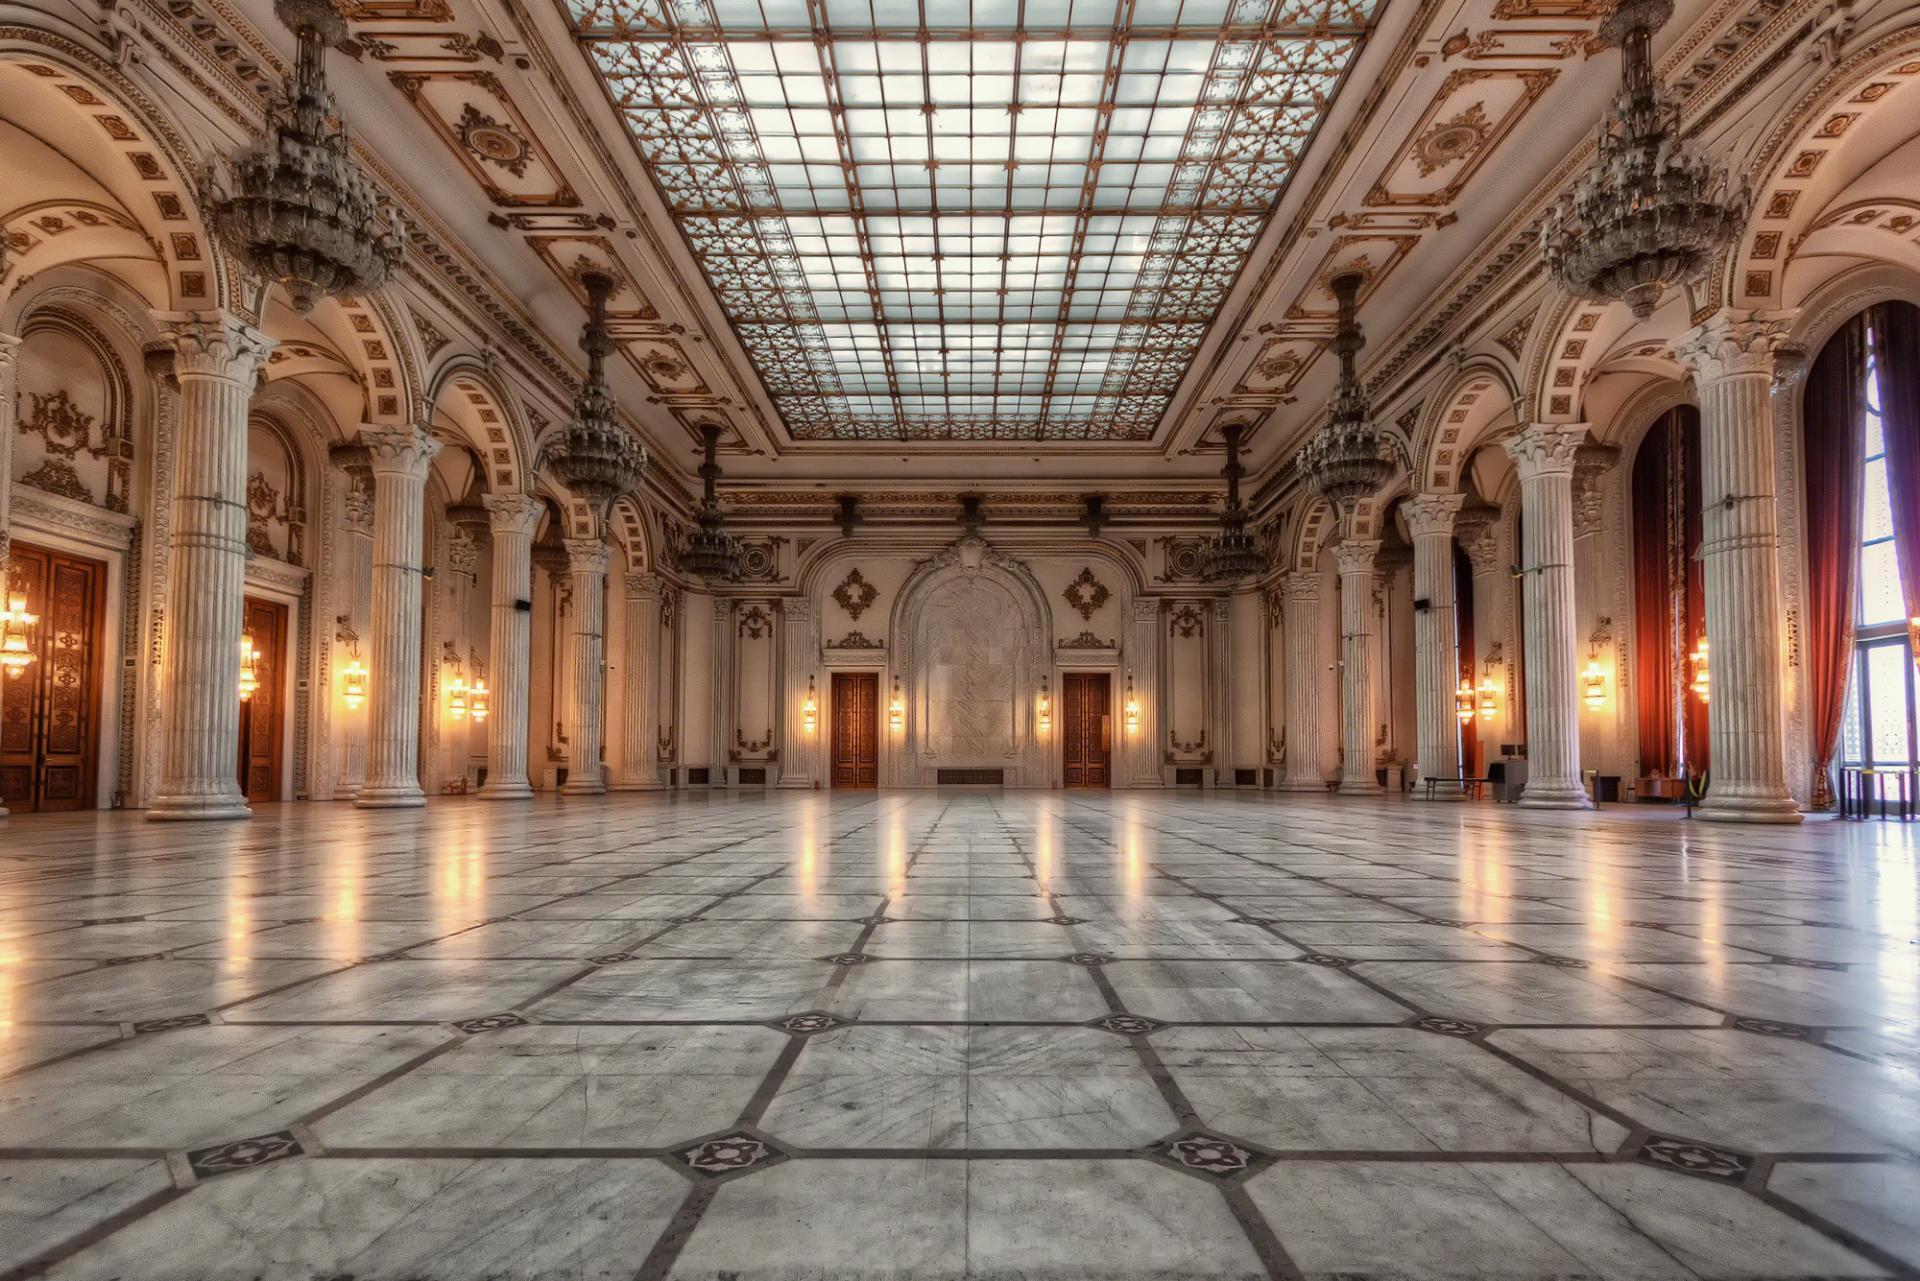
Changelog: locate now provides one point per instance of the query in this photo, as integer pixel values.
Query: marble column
(1355, 556)
(1544, 454)
(1305, 672)
(9, 393)
(400, 460)
(511, 519)
(1436, 664)
(639, 723)
(1732, 358)
(586, 659)
(801, 755)
(354, 561)
(216, 359)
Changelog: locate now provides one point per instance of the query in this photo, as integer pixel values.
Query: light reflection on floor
(977, 1034)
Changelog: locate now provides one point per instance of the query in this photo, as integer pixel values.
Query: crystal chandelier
(293, 207)
(597, 458)
(1651, 213)
(1346, 459)
(1230, 553)
(711, 552)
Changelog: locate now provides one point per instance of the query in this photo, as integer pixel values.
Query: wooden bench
(1473, 787)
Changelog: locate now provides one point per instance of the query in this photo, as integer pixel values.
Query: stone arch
(351, 338)
(1317, 524)
(980, 673)
(76, 409)
(1802, 167)
(1456, 418)
(629, 524)
(102, 124)
(466, 391)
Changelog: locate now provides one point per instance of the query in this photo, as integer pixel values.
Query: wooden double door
(50, 713)
(855, 726)
(1086, 729)
(263, 715)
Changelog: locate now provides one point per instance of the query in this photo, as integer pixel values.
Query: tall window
(1879, 728)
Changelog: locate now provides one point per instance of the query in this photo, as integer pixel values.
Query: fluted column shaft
(400, 460)
(215, 359)
(511, 519)
(1732, 357)
(1355, 558)
(9, 397)
(1300, 603)
(586, 661)
(1544, 454)
(1436, 665)
(639, 723)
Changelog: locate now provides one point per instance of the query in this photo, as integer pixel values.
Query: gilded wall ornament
(1086, 593)
(855, 594)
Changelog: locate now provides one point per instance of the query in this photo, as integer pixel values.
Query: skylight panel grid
(1018, 226)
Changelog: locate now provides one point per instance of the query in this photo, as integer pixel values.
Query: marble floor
(917, 1036)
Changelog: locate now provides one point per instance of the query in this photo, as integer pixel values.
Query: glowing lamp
(457, 699)
(810, 710)
(1489, 698)
(1593, 683)
(1701, 682)
(1463, 701)
(1131, 708)
(353, 684)
(15, 652)
(1045, 707)
(896, 709)
(480, 700)
(249, 669)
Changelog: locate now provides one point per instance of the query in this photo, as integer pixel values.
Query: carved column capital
(400, 453)
(797, 608)
(586, 555)
(1432, 513)
(1734, 341)
(1545, 449)
(1590, 465)
(9, 353)
(1300, 589)
(644, 587)
(214, 344)
(513, 513)
(1356, 555)
(1146, 609)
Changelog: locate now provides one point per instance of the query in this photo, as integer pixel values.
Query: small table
(1473, 787)
(1861, 789)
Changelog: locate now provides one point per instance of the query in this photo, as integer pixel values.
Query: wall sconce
(457, 698)
(1131, 707)
(353, 684)
(896, 709)
(1593, 683)
(810, 710)
(1463, 701)
(480, 700)
(249, 669)
(1489, 698)
(1701, 682)
(15, 652)
(1045, 708)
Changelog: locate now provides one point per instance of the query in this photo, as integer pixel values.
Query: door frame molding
(81, 529)
(285, 584)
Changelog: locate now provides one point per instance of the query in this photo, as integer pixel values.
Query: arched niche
(969, 637)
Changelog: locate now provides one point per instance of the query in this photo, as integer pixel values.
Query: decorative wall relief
(1184, 559)
(64, 432)
(480, 125)
(1186, 621)
(1086, 593)
(265, 507)
(858, 640)
(755, 623)
(855, 594)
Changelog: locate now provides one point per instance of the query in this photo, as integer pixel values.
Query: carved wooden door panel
(49, 715)
(1087, 738)
(856, 729)
(262, 716)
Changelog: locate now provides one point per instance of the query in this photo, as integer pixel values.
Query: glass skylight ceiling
(1014, 222)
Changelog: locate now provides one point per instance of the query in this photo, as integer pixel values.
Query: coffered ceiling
(1012, 242)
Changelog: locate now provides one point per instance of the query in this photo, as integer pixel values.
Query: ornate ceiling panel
(1019, 228)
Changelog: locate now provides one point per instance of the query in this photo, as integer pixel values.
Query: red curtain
(1653, 604)
(1669, 594)
(1832, 423)
(1896, 356)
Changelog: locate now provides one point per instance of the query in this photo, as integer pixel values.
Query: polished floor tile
(920, 1036)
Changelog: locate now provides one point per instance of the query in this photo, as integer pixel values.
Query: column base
(1546, 795)
(1300, 785)
(802, 782)
(390, 798)
(182, 809)
(520, 790)
(1717, 808)
(645, 785)
(571, 788)
(1360, 787)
